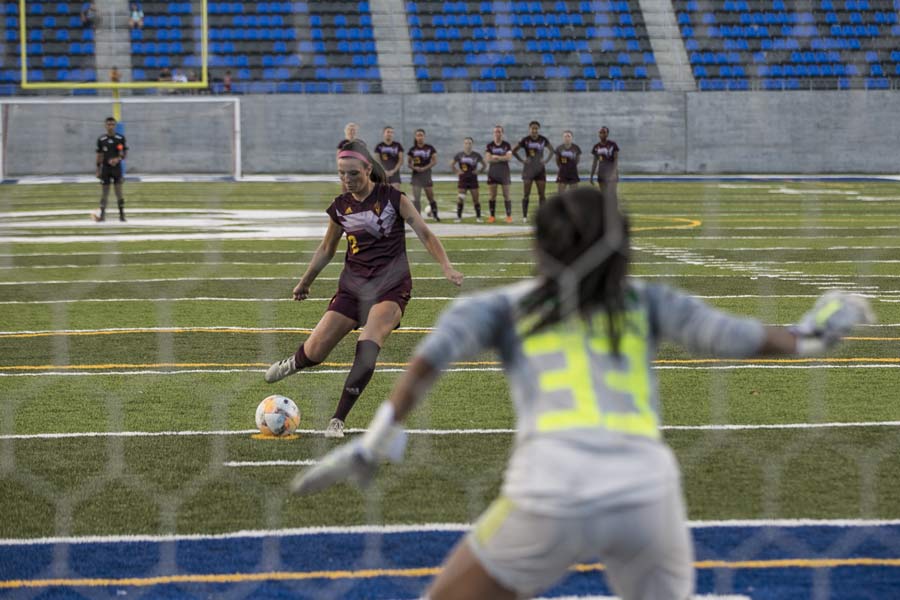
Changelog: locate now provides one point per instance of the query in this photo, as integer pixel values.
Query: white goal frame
(235, 102)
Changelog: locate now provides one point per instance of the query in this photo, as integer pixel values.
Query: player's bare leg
(429, 193)
(463, 578)
(541, 187)
(417, 198)
(330, 330)
(382, 319)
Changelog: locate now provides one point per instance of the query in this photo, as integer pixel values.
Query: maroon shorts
(567, 179)
(357, 295)
(469, 182)
(539, 176)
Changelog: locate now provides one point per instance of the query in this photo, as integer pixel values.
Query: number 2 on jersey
(354, 246)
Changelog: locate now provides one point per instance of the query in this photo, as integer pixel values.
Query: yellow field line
(789, 563)
(258, 330)
(479, 363)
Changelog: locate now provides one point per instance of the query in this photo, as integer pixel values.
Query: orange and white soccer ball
(277, 416)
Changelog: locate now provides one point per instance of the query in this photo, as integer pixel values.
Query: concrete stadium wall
(658, 132)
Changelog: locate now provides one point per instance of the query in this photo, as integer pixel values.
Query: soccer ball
(428, 211)
(277, 416)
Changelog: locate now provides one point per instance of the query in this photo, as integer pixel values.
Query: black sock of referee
(492, 206)
(525, 207)
(360, 374)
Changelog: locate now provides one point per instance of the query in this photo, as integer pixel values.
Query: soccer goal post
(47, 137)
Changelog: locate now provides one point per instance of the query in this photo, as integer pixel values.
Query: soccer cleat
(335, 429)
(509, 219)
(457, 220)
(479, 220)
(122, 218)
(524, 220)
(281, 369)
(492, 219)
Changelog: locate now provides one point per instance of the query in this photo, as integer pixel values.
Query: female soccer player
(590, 476)
(350, 132)
(388, 153)
(465, 165)
(606, 162)
(375, 284)
(567, 157)
(422, 157)
(533, 168)
(498, 153)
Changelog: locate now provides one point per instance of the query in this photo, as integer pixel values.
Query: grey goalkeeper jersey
(587, 419)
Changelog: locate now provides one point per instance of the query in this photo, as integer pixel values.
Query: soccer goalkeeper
(589, 475)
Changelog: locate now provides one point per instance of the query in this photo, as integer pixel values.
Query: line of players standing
(536, 151)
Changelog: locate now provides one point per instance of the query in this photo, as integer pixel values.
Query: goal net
(173, 136)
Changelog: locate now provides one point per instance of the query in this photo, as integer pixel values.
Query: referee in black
(111, 151)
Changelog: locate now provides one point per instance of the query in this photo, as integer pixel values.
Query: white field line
(270, 463)
(662, 263)
(441, 432)
(799, 277)
(411, 528)
(637, 246)
(151, 372)
(241, 329)
(884, 296)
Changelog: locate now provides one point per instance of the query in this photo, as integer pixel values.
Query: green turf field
(140, 328)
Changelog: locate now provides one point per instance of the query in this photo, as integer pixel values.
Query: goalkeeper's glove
(831, 318)
(358, 460)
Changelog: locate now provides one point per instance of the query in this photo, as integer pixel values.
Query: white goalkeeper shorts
(646, 549)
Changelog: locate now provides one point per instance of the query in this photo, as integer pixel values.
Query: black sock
(301, 361)
(360, 374)
(433, 206)
(508, 205)
(477, 210)
(492, 206)
(525, 207)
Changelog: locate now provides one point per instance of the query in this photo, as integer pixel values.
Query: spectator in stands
(165, 74)
(136, 21)
(498, 153)
(567, 157)
(389, 154)
(226, 83)
(533, 168)
(88, 14)
(606, 161)
(422, 157)
(114, 75)
(465, 165)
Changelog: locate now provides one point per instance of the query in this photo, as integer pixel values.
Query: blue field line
(335, 552)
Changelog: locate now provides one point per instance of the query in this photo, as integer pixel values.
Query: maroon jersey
(421, 156)
(498, 170)
(534, 154)
(606, 154)
(567, 160)
(343, 144)
(389, 154)
(467, 163)
(375, 231)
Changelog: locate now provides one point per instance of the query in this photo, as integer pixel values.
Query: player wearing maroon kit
(375, 284)
(498, 154)
(350, 132)
(465, 164)
(422, 157)
(388, 153)
(533, 168)
(567, 157)
(606, 161)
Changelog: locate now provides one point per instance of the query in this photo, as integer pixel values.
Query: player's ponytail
(377, 175)
(582, 248)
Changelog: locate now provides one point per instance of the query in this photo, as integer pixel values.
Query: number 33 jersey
(375, 232)
(587, 418)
